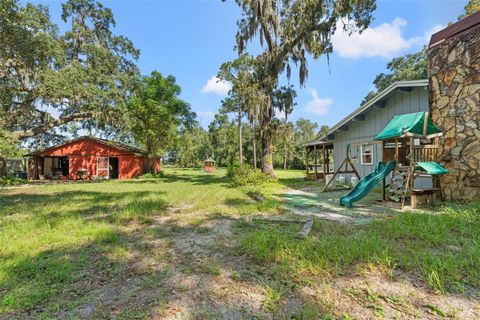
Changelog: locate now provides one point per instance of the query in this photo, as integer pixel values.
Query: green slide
(366, 185)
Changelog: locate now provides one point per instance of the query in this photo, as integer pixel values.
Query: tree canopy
(243, 97)
(471, 7)
(51, 79)
(220, 140)
(56, 83)
(156, 114)
(408, 67)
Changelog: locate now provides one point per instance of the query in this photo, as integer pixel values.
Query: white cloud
(428, 34)
(216, 86)
(385, 40)
(318, 105)
(206, 114)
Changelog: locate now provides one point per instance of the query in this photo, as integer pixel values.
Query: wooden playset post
(384, 156)
(345, 162)
(306, 162)
(324, 162)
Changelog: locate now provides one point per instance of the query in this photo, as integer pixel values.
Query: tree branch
(52, 124)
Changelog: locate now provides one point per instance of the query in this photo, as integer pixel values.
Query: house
(451, 95)
(88, 158)
(359, 128)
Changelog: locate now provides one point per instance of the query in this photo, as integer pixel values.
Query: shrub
(152, 175)
(243, 175)
(10, 181)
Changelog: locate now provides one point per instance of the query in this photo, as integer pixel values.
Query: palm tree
(284, 101)
(244, 95)
(290, 30)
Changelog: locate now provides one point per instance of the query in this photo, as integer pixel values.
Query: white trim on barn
(103, 169)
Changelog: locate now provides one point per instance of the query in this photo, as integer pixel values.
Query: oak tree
(50, 79)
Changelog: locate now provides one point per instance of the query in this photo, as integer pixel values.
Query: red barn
(87, 158)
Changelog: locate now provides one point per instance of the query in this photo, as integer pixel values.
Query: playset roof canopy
(431, 168)
(405, 124)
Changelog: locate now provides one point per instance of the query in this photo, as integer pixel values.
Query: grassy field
(442, 249)
(182, 245)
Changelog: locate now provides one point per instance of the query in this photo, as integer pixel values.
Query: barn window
(102, 167)
(367, 154)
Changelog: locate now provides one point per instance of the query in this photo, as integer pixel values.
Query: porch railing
(426, 153)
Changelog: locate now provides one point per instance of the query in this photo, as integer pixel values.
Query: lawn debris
(432, 309)
(279, 220)
(307, 227)
(256, 196)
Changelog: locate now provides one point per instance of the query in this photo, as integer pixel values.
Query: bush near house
(151, 175)
(243, 175)
(9, 181)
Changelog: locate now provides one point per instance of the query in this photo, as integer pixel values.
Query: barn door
(103, 169)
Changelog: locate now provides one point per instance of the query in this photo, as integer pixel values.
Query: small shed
(88, 158)
(209, 165)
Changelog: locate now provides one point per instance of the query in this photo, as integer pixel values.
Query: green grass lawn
(52, 237)
(442, 249)
(58, 243)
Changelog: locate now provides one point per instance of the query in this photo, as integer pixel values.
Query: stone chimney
(454, 82)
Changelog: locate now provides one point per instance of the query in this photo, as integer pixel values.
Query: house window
(103, 167)
(367, 154)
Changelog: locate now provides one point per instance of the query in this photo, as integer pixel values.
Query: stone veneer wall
(454, 73)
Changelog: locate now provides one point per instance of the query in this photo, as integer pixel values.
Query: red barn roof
(124, 148)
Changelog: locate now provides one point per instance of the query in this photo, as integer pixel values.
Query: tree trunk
(285, 134)
(285, 151)
(267, 152)
(240, 140)
(3, 167)
(254, 146)
(149, 156)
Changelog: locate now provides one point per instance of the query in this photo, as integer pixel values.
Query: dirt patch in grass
(195, 276)
(197, 272)
(373, 295)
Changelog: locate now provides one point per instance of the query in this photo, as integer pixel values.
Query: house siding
(128, 166)
(364, 132)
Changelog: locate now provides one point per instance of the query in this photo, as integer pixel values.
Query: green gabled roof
(407, 123)
(432, 167)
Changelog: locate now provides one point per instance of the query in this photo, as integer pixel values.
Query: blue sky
(189, 39)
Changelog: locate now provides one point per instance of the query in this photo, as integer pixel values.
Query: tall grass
(442, 249)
